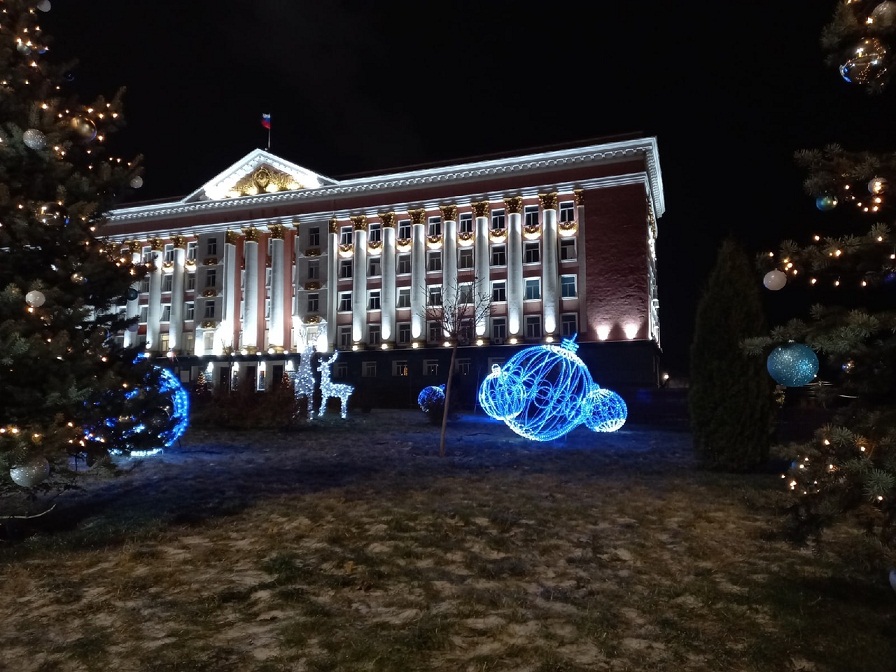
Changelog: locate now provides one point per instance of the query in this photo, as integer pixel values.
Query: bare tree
(456, 310)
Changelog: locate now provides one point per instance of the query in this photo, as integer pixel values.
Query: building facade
(269, 260)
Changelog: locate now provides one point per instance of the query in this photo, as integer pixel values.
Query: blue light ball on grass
(430, 397)
(608, 411)
(793, 364)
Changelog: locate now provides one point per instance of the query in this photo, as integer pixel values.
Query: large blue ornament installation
(431, 397)
(793, 364)
(544, 392)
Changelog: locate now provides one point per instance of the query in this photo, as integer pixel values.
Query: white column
(550, 279)
(449, 256)
(153, 321)
(230, 297)
(387, 296)
(515, 291)
(581, 279)
(250, 297)
(481, 261)
(418, 275)
(133, 305)
(330, 282)
(277, 330)
(176, 326)
(359, 280)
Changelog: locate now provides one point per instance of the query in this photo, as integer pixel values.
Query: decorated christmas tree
(68, 389)
(844, 342)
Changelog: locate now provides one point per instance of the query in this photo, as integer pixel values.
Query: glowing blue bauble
(826, 202)
(774, 280)
(500, 394)
(793, 364)
(31, 473)
(431, 397)
(608, 411)
(180, 405)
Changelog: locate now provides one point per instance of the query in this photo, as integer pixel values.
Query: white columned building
(515, 292)
(449, 258)
(418, 275)
(359, 280)
(277, 329)
(332, 282)
(154, 317)
(550, 277)
(249, 326)
(481, 262)
(388, 297)
(176, 326)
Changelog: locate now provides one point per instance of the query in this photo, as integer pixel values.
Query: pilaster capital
(156, 244)
(449, 212)
(334, 225)
(180, 242)
(276, 231)
(549, 201)
(388, 219)
(514, 205)
(417, 216)
(134, 246)
(251, 234)
(579, 195)
(359, 222)
(231, 237)
(480, 209)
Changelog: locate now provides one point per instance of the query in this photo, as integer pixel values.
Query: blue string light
(608, 411)
(430, 397)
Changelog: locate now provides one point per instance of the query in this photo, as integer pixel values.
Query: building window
(434, 295)
(345, 337)
(373, 299)
(373, 267)
(144, 314)
(430, 367)
(211, 246)
(211, 277)
(189, 310)
(166, 312)
(435, 226)
(345, 302)
(345, 268)
(465, 223)
(567, 249)
(368, 369)
(465, 294)
(404, 297)
(313, 303)
(192, 250)
(404, 228)
(533, 288)
(313, 270)
(465, 258)
(340, 370)
(345, 235)
(374, 233)
(499, 290)
(497, 219)
(209, 311)
(567, 211)
(169, 252)
(314, 237)
(533, 326)
(499, 329)
(569, 324)
(268, 276)
(144, 284)
(531, 215)
(532, 252)
(463, 367)
(404, 264)
(404, 333)
(499, 255)
(400, 368)
(191, 281)
(433, 261)
(373, 334)
(434, 331)
(267, 309)
(167, 281)
(568, 286)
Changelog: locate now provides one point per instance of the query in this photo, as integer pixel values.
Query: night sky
(730, 93)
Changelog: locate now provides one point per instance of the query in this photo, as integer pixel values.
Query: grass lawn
(351, 545)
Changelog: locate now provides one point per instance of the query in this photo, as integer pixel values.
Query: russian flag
(266, 121)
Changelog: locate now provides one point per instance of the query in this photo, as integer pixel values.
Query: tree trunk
(447, 400)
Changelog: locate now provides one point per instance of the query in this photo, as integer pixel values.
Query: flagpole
(269, 139)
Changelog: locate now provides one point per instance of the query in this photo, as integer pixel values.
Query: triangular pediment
(259, 172)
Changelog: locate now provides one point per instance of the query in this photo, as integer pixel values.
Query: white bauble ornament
(35, 298)
(34, 139)
(44, 5)
(137, 182)
(774, 280)
(32, 473)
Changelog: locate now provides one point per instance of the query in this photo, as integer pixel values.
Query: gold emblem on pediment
(265, 180)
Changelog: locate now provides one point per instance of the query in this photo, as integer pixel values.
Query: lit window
(400, 368)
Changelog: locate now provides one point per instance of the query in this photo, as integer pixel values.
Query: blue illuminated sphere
(793, 364)
(555, 386)
(180, 405)
(608, 411)
(500, 394)
(431, 397)
(826, 203)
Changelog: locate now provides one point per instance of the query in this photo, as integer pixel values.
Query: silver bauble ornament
(878, 185)
(884, 15)
(35, 298)
(865, 63)
(32, 473)
(34, 139)
(23, 48)
(774, 280)
(84, 128)
(44, 5)
(137, 182)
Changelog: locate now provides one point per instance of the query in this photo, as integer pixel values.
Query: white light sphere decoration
(34, 139)
(137, 182)
(35, 298)
(44, 5)
(774, 280)
(32, 473)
